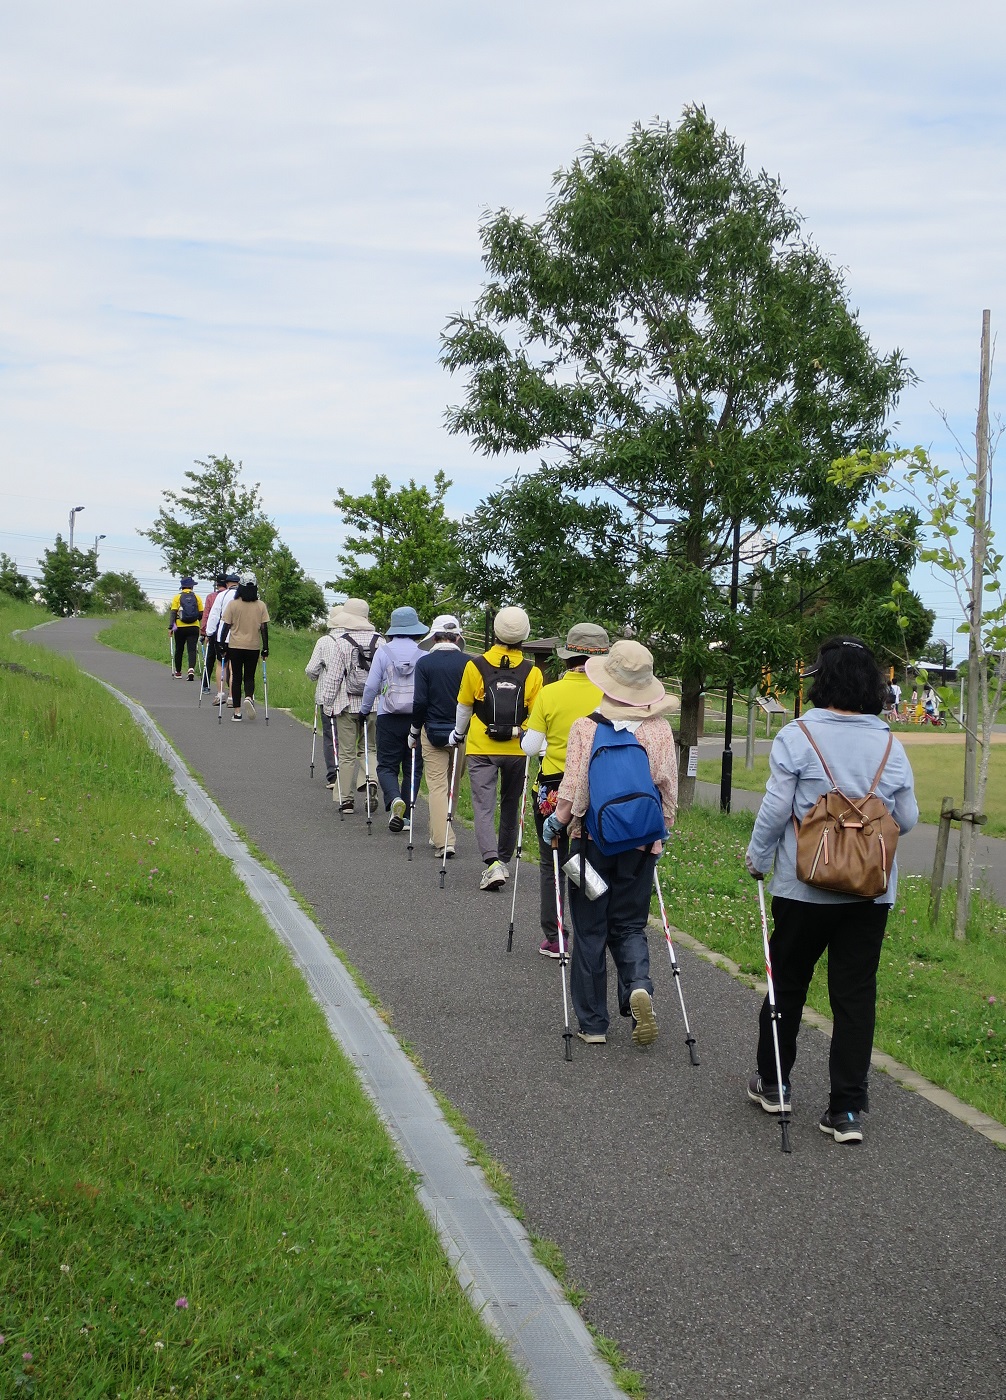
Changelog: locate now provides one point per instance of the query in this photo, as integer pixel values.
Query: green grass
(146, 634)
(938, 770)
(177, 1121)
(940, 1002)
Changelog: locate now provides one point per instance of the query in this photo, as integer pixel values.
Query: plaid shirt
(334, 698)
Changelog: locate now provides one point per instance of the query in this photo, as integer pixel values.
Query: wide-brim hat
(334, 618)
(444, 622)
(359, 607)
(512, 626)
(584, 639)
(188, 582)
(405, 623)
(626, 675)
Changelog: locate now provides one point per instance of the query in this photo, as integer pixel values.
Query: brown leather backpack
(847, 844)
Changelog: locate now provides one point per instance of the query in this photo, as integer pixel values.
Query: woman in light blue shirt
(848, 695)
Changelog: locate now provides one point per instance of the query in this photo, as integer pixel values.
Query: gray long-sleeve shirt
(853, 746)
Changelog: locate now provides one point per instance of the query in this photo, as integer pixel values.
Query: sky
(240, 228)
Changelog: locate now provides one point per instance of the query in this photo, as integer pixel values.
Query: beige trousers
(349, 732)
(437, 767)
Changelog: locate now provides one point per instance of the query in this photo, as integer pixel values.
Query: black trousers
(853, 935)
(186, 637)
(243, 664)
(212, 654)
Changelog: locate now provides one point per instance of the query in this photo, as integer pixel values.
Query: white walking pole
(366, 773)
(774, 1015)
(450, 814)
(567, 1034)
(693, 1054)
(520, 847)
(412, 799)
(314, 737)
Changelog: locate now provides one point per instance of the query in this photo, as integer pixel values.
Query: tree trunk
(691, 695)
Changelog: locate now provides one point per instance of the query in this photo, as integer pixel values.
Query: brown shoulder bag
(847, 844)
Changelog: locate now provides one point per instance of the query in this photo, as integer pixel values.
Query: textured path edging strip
(990, 1128)
(487, 1247)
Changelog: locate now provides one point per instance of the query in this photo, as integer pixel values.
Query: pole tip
(441, 879)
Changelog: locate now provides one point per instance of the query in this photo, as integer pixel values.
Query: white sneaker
(250, 706)
(644, 1023)
(493, 877)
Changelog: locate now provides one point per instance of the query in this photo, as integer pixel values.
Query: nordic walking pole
(774, 1015)
(265, 687)
(338, 780)
(314, 736)
(204, 683)
(520, 847)
(412, 801)
(171, 649)
(567, 1034)
(450, 814)
(693, 1054)
(366, 775)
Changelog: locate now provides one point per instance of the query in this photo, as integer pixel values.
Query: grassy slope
(940, 1002)
(177, 1120)
(938, 769)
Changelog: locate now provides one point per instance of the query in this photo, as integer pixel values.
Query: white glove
(454, 739)
(413, 738)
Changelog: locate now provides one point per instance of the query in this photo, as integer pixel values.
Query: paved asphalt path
(722, 1267)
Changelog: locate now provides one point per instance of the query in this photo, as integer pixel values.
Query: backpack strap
(883, 765)
(824, 764)
(871, 791)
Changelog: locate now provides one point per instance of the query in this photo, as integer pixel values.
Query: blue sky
(240, 228)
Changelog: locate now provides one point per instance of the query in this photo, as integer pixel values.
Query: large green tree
(402, 549)
(670, 338)
(68, 576)
(119, 592)
(293, 599)
(214, 524)
(13, 583)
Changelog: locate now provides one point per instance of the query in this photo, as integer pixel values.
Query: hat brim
(419, 631)
(564, 653)
(642, 696)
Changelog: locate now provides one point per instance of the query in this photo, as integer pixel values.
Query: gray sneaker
(767, 1095)
(493, 877)
(644, 1023)
(250, 706)
(843, 1127)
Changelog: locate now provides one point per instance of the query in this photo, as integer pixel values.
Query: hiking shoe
(438, 851)
(549, 948)
(768, 1095)
(592, 1037)
(348, 805)
(644, 1023)
(236, 715)
(331, 784)
(506, 872)
(843, 1127)
(398, 810)
(176, 675)
(493, 877)
(250, 706)
(192, 673)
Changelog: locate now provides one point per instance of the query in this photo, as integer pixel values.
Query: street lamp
(96, 539)
(73, 512)
(803, 555)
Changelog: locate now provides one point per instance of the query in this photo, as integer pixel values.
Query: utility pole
(727, 768)
(966, 853)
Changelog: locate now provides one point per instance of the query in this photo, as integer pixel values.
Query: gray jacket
(853, 746)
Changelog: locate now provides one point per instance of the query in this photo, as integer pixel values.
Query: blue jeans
(394, 758)
(615, 922)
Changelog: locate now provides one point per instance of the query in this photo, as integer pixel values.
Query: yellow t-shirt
(473, 688)
(571, 697)
(176, 604)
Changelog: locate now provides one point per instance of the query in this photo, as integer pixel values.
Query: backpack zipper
(822, 849)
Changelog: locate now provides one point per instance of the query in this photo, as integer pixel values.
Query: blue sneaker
(845, 1126)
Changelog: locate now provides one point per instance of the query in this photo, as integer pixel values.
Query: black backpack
(502, 709)
(188, 611)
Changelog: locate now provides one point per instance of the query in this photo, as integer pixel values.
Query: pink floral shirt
(656, 738)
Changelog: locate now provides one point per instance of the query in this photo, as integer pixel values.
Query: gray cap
(584, 639)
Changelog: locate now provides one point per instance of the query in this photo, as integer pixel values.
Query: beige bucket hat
(626, 677)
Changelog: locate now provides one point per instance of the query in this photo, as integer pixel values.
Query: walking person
(208, 640)
(844, 735)
(434, 709)
(324, 655)
(344, 682)
(245, 633)
(391, 684)
(215, 629)
(620, 761)
(572, 697)
(185, 616)
(497, 691)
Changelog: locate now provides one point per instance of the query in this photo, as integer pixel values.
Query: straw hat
(625, 677)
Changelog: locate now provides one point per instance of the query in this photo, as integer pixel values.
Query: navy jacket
(438, 679)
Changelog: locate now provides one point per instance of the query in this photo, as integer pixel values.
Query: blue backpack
(625, 809)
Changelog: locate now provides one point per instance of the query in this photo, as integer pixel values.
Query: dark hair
(571, 664)
(454, 637)
(846, 676)
(248, 592)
